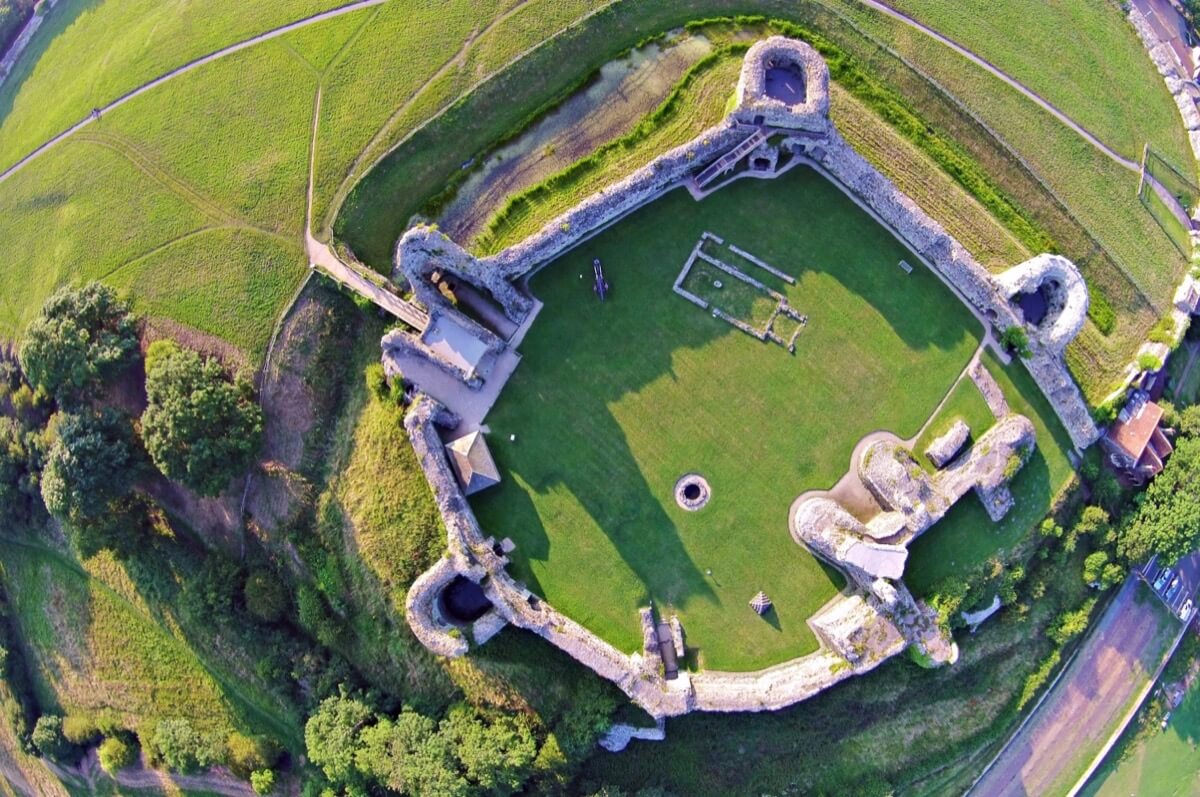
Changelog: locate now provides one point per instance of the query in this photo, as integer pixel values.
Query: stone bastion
(875, 617)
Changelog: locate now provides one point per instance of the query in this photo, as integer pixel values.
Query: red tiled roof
(1133, 435)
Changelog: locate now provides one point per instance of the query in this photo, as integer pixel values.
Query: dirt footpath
(1081, 713)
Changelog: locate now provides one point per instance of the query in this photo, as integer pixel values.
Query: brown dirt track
(1081, 713)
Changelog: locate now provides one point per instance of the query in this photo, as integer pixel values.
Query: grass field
(89, 53)
(1084, 82)
(605, 424)
(967, 537)
(94, 650)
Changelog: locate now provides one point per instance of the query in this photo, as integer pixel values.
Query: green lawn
(614, 402)
(90, 52)
(967, 537)
(966, 404)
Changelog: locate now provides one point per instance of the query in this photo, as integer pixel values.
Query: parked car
(1185, 613)
(1173, 589)
(1161, 578)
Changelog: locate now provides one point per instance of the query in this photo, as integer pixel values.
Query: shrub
(81, 729)
(377, 383)
(183, 749)
(1069, 625)
(1014, 463)
(1100, 311)
(200, 428)
(262, 781)
(265, 596)
(115, 754)
(49, 740)
(1037, 679)
(1016, 340)
(1148, 362)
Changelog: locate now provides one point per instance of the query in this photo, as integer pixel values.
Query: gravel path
(188, 67)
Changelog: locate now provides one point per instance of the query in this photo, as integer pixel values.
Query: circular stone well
(692, 492)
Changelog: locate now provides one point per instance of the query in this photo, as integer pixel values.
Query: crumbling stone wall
(859, 630)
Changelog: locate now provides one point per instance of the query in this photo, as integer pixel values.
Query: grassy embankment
(1084, 82)
(204, 177)
(1142, 266)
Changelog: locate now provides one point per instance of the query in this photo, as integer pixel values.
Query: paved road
(1016, 84)
(188, 67)
(1086, 705)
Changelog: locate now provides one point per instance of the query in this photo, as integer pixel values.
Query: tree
(1189, 419)
(331, 735)
(1098, 570)
(19, 477)
(199, 428)
(1167, 519)
(265, 596)
(81, 337)
(182, 748)
(92, 463)
(49, 740)
(497, 754)
(115, 754)
(409, 755)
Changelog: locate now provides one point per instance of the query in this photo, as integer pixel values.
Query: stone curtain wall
(857, 631)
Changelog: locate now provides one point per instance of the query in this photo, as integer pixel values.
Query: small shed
(472, 463)
(760, 603)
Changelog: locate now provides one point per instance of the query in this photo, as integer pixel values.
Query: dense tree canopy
(467, 753)
(331, 735)
(410, 756)
(81, 337)
(1167, 519)
(20, 464)
(92, 462)
(200, 428)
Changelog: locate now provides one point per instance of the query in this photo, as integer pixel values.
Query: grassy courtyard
(615, 401)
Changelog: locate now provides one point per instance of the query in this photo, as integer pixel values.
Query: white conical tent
(760, 603)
